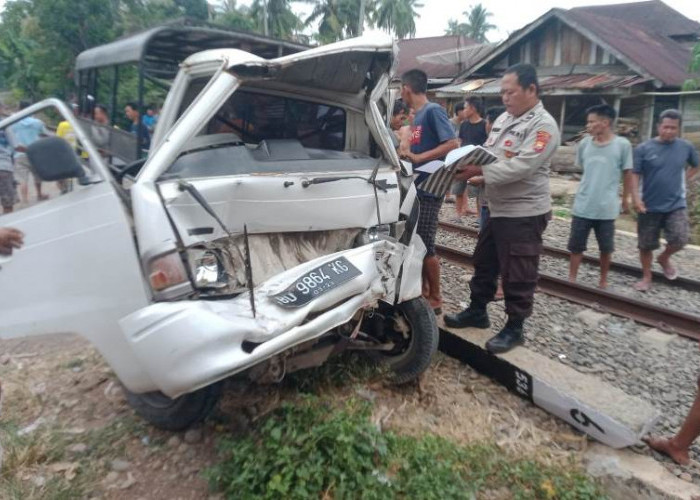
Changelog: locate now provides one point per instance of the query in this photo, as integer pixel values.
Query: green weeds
(314, 449)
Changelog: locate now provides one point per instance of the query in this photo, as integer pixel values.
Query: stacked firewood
(625, 127)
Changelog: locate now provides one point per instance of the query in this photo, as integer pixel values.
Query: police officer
(517, 185)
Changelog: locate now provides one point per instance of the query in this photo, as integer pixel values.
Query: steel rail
(685, 283)
(669, 320)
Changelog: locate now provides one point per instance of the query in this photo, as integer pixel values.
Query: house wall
(555, 44)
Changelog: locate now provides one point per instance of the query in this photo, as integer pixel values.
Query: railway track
(681, 282)
(669, 320)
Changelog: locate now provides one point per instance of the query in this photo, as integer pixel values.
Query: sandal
(642, 286)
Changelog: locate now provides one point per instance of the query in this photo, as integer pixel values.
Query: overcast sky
(508, 15)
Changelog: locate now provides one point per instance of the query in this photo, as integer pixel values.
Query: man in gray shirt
(517, 185)
(662, 165)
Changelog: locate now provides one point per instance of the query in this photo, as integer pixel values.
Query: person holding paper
(524, 139)
(432, 137)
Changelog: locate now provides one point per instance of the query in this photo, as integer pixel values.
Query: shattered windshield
(255, 117)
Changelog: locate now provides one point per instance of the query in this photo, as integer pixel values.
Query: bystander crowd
(8, 189)
(398, 117)
(459, 116)
(472, 132)
(21, 135)
(131, 110)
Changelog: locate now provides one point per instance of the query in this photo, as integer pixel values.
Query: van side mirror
(53, 159)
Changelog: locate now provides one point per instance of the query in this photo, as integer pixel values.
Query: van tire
(175, 414)
(416, 357)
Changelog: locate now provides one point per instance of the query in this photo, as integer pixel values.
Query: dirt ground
(87, 438)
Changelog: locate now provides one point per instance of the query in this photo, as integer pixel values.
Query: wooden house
(633, 56)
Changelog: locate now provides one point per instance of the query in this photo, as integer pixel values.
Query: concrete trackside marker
(605, 413)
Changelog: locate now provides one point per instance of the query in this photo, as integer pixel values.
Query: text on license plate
(316, 282)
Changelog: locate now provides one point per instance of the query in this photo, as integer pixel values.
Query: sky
(508, 15)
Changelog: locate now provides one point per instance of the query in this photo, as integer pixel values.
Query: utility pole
(361, 21)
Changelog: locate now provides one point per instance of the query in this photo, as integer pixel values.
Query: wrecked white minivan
(271, 226)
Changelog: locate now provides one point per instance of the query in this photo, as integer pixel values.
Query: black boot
(474, 316)
(506, 339)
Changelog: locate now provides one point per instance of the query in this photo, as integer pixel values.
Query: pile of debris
(625, 127)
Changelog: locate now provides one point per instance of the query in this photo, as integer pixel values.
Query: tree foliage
(476, 26)
(693, 69)
(396, 16)
(338, 19)
(39, 39)
(282, 22)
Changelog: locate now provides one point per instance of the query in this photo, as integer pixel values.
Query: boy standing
(604, 157)
(432, 137)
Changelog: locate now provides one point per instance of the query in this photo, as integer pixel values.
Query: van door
(78, 270)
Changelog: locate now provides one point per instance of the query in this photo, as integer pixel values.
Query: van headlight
(207, 269)
(391, 232)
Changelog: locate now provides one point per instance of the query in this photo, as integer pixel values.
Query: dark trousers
(509, 246)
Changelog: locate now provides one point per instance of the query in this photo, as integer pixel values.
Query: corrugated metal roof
(598, 81)
(492, 86)
(485, 86)
(466, 56)
(637, 40)
(655, 53)
(411, 48)
(654, 15)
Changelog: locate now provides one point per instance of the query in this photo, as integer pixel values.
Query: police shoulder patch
(542, 138)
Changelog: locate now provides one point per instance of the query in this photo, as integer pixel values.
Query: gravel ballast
(654, 366)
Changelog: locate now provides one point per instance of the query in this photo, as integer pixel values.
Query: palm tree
(338, 19)
(454, 27)
(233, 16)
(282, 22)
(477, 24)
(396, 16)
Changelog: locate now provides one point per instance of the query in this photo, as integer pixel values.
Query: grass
(37, 465)
(315, 449)
(346, 368)
(26, 465)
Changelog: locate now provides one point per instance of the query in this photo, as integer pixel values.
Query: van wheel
(175, 414)
(413, 329)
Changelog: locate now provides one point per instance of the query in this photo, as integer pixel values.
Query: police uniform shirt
(517, 185)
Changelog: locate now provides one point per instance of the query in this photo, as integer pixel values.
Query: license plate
(316, 282)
